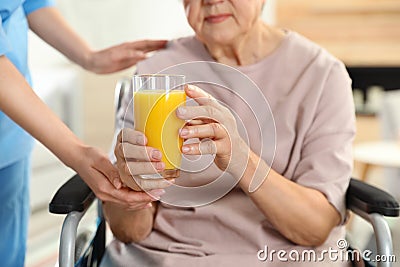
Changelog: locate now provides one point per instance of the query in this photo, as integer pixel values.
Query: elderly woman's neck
(248, 48)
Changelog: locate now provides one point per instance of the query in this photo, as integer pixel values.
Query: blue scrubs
(15, 144)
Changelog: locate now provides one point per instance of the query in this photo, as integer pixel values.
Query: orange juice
(154, 115)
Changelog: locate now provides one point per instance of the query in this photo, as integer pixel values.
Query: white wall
(106, 22)
(269, 13)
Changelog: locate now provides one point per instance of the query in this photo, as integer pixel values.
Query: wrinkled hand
(216, 128)
(98, 172)
(134, 159)
(121, 56)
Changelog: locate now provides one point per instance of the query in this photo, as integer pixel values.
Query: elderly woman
(299, 206)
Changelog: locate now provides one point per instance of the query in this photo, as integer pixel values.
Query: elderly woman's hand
(134, 159)
(216, 128)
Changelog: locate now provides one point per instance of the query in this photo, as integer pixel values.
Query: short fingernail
(184, 132)
(160, 165)
(191, 87)
(181, 111)
(185, 149)
(155, 154)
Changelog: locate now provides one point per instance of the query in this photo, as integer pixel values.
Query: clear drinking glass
(155, 100)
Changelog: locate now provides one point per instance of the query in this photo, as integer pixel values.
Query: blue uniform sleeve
(4, 44)
(33, 5)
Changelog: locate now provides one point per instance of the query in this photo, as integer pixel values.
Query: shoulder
(300, 56)
(177, 51)
(302, 49)
(33, 5)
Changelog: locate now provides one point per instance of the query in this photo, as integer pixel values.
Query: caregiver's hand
(98, 172)
(121, 56)
(134, 158)
(216, 128)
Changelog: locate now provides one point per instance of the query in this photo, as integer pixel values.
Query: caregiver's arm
(21, 104)
(50, 26)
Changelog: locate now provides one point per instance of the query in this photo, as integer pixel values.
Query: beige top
(309, 94)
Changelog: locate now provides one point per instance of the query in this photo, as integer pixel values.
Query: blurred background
(365, 34)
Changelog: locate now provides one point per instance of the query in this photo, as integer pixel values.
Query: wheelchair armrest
(74, 195)
(370, 199)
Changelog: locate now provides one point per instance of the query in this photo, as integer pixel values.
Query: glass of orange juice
(155, 100)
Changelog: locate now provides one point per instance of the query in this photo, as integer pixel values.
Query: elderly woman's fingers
(211, 130)
(138, 183)
(200, 113)
(138, 168)
(131, 146)
(128, 152)
(131, 136)
(205, 146)
(200, 96)
(197, 122)
(127, 170)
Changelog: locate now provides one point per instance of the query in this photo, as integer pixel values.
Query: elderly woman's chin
(220, 37)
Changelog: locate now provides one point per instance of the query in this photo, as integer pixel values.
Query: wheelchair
(74, 198)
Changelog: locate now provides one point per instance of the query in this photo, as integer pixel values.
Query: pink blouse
(300, 120)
